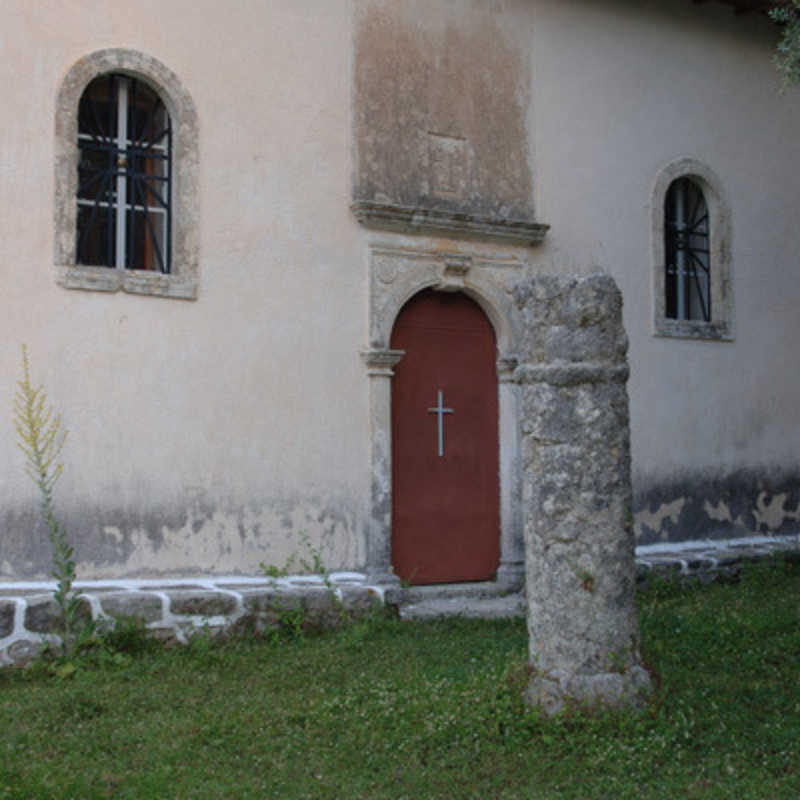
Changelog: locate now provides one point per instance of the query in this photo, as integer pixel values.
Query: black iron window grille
(686, 245)
(124, 176)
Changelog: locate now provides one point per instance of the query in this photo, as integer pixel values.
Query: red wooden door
(445, 459)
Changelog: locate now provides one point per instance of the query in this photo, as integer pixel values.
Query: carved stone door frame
(399, 268)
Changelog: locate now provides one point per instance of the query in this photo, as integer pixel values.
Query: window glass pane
(146, 240)
(686, 246)
(146, 116)
(97, 171)
(129, 154)
(97, 112)
(96, 235)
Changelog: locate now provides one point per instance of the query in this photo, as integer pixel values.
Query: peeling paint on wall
(771, 512)
(201, 539)
(654, 520)
(718, 512)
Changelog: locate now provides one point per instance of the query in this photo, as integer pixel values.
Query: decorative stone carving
(488, 277)
(380, 362)
(386, 270)
(505, 369)
(456, 268)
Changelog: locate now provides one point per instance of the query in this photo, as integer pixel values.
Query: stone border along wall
(173, 611)
(712, 560)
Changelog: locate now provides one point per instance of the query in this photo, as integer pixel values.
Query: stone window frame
(720, 327)
(182, 281)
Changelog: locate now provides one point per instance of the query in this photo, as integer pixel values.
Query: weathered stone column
(580, 571)
(380, 365)
(511, 571)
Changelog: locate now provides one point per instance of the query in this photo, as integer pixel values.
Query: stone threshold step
(498, 607)
(449, 591)
(484, 600)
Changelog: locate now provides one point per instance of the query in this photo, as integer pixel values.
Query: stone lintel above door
(437, 221)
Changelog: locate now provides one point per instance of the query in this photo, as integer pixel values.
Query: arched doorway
(445, 447)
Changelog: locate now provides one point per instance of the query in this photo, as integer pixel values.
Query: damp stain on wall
(706, 506)
(200, 537)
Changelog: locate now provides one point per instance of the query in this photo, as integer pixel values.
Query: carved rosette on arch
(576, 488)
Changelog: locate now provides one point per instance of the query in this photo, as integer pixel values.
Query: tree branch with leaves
(787, 57)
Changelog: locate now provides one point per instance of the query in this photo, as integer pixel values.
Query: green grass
(422, 710)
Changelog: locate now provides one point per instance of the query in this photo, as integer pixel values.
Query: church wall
(213, 434)
(442, 94)
(622, 89)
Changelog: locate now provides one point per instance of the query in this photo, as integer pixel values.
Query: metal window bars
(686, 245)
(124, 176)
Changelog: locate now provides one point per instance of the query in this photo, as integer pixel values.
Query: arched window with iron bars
(686, 245)
(124, 176)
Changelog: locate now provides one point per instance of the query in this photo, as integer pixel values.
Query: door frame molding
(399, 268)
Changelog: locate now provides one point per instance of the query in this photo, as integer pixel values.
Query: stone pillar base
(383, 577)
(553, 693)
(511, 576)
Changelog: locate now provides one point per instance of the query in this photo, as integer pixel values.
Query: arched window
(691, 253)
(126, 182)
(686, 246)
(124, 170)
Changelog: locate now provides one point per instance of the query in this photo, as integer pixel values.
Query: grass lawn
(421, 710)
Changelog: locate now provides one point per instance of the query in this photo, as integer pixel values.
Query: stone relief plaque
(448, 169)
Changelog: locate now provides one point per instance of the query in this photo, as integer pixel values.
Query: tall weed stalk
(41, 438)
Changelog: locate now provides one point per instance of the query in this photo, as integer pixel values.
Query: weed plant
(390, 709)
(292, 615)
(41, 438)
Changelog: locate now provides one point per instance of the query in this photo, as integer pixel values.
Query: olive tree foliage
(787, 57)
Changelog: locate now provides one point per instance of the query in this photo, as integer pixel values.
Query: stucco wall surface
(441, 98)
(212, 434)
(621, 89)
(204, 435)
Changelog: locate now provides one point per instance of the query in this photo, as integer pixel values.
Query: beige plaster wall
(442, 93)
(212, 434)
(208, 434)
(621, 89)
